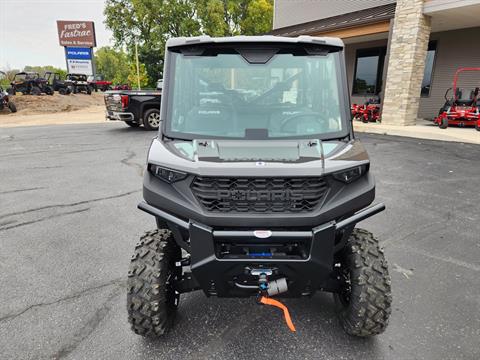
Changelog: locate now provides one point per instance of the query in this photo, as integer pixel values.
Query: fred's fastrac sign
(76, 33)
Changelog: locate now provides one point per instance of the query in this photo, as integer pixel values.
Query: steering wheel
(317, 116)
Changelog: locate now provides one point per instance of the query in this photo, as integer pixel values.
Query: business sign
(76, 66)
(78, 53)
(76, 33)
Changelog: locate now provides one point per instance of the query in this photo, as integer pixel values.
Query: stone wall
(408, 50)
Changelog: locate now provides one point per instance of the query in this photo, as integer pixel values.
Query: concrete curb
(423, 130)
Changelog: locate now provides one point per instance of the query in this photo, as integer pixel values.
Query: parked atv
(122, 87)
(5, 101)
(99, 83)
(257, 183)
(78, 83)
(55, 81)
(30, 83)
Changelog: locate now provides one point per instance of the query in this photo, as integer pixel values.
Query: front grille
(259, 195)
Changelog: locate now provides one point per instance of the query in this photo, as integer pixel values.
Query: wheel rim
(154, 119)
(346, 293)
(173, 296)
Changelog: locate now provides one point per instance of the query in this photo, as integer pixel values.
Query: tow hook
(263, 282)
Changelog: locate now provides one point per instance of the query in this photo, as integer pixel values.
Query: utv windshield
(271, 95)
(77, 77)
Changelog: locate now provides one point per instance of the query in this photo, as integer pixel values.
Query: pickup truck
(134, 107)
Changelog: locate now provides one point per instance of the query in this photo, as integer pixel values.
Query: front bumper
(121, 116)
(221, 258)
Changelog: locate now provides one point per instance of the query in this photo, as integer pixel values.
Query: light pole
(138, 65)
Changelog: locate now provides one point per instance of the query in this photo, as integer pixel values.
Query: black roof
(361, 17)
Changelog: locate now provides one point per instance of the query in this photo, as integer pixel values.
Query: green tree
(112, 64)
(259, 17)
(4, 82)
(6, 79)
(149, 23)
(235, 17)
(41, 70)
(213, 17)
(132, 76)
(119, 67)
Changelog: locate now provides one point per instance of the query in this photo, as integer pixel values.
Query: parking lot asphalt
(68, 225)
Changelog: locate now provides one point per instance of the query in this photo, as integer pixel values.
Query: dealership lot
(68, 224)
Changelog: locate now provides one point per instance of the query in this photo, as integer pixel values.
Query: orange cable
(268, 301)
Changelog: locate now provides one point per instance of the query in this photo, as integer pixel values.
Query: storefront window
(427, 74)
(368, 71)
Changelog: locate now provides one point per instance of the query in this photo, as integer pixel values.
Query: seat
(210, 119)
(463, 100)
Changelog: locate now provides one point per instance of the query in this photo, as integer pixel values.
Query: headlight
(165, 174)
(350, 175)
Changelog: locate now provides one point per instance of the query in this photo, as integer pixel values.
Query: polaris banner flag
(79, 53)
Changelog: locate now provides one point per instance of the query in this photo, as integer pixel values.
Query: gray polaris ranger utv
(257, 183)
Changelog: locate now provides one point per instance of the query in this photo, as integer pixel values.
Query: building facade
(405, 52)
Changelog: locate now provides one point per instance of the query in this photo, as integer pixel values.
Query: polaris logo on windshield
(254, 195)
(209, 112)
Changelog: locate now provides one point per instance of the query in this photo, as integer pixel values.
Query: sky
(28, 30)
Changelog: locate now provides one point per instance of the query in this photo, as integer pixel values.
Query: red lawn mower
(368, 112)
(463, 109)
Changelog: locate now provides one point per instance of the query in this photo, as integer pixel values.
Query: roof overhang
(453, 14)
(359, 23)
(348, 35)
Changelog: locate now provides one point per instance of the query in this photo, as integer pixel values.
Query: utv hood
(257, 150)
(240, 158)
